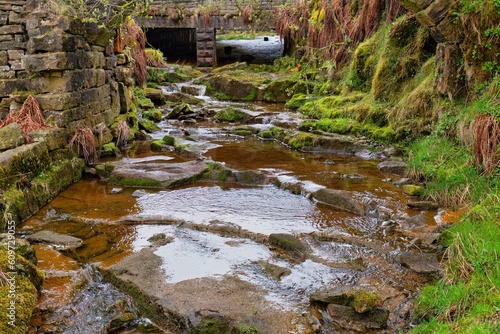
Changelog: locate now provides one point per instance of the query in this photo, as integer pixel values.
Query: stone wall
(224, 15)
(70, 69)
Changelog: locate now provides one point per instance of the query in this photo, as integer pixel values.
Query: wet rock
(362, 301)
(121, 321)
(136, 173)
(251, 177)
(103, 171)
(174, 306)
(352, 176)
(139, 193)
(160, 239)
(413, 190)
(147, 125)
(93, 247)
(348, 318)
(110, 150)
(180, 110)
(421, 263)
(191, 90)
(339, 199)
(116, 190)
(402, 182)
(395, 167)
(231, 114)
(423, 205)
(329, 162)
(59, 241)
(182, 98)
(274, 271)
(155, 95)
(288, 243)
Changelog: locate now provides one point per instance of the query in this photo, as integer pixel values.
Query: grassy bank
(393, 85)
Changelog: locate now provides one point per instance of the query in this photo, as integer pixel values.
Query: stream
(203, 249)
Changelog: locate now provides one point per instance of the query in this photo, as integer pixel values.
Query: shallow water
(218, 229)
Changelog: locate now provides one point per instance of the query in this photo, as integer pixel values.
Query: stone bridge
(187, 29)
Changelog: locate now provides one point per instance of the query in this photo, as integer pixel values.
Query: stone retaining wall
(70, 69)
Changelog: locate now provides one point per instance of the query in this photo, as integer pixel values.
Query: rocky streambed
(212, 225)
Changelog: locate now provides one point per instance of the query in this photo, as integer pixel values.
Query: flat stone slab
(59, 241)
(339, 199)
(395, 167)
(157, 174)
(423, 205)
(422, 263)
(179, 307)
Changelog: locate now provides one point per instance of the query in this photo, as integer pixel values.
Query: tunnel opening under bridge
(176, 44)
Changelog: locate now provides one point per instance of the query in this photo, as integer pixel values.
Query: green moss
(230, 114)
(141, 101)
(154, 115)
(134, 182)
(147, 125)
(168, 140)
(296, 101)
(110, 149)
(215, 325)
(217, 172)
(303, 140)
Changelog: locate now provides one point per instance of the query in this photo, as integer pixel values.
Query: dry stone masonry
(71, 70)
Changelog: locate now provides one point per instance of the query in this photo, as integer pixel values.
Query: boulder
(413, 190)
(395, 167)
(288, 243)
(155, 95)
(348, 318)
(362, 301)
(184, 98)
(339, 199)
(59, 241)
(421, 263)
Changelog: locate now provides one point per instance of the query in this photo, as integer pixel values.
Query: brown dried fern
(85, 143)
(29, 118)
(123, 132)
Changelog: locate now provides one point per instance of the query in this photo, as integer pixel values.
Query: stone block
(49, 62)
(53, 41)
(15, 54)
(434, 13)
(11, 136)
(58, 102)
(4, 58)
(12, 45)
(69, 82)
(7, 74)
(53, 138)
(11, 29)
(3, 19)
(16, 65)
(15, 18)
(8, 86)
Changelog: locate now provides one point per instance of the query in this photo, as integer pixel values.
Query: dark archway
(177, 44)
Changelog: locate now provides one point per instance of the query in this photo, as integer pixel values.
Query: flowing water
(346, 249)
